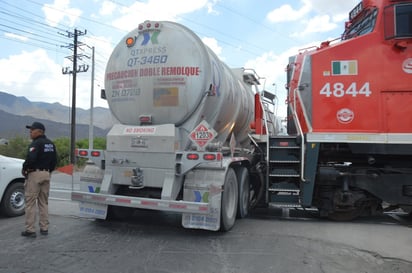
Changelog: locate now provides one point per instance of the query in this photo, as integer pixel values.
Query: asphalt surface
(266, 241)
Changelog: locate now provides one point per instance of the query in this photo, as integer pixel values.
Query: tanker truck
(188, 135)
(200, 139)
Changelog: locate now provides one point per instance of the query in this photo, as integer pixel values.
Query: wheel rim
(17, 200)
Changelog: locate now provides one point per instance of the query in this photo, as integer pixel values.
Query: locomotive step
(284, 173)
(284, 190)
(284, 205)
(283, 147)
(285, 161)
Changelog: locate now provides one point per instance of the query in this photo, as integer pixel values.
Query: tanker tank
(162, 73)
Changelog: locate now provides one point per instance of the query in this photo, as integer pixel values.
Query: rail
(302, 148)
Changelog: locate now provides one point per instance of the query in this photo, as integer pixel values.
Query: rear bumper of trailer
(141, 203)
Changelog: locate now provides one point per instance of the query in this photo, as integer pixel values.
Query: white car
(11, 186)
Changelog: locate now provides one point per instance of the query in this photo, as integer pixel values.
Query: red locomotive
(349, 104)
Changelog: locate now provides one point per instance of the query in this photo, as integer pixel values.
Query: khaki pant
(36, 189)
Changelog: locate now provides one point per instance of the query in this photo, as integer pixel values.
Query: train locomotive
(350, 105)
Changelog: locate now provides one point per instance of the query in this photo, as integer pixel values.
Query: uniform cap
(36, 125)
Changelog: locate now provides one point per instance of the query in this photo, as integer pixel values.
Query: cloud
(317, 24)
(158, 10)
(38, 66)
(333, 7)
(107, 8)
(314, 16)
(213, 45)
(59, 12)
(286, 13)
(41, 79)
(16, 36)
(271, 67)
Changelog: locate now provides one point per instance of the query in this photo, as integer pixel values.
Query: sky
(35, 38)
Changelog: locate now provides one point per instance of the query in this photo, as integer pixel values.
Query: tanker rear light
(207, 156)
(212, 157)
(85, 153)
(82, 153)
(192, 156)
(145, 119)
(95, 153)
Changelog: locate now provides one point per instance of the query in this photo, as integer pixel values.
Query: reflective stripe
(166, 205)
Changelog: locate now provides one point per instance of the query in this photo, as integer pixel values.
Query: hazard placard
(202, 134)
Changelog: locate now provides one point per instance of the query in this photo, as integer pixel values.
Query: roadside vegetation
(17, 147)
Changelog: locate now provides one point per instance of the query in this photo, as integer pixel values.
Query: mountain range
(17, 112)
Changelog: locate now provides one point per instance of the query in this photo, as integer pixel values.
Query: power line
(27, 28)
(247, 17)
(30, 19)
(32, 44)
(30, 33)
(225, 42)
(31, 26)
(82, 17)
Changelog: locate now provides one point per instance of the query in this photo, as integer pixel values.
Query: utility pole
(74, 71)
(91, 105)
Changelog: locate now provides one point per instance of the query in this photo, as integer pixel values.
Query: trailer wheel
(230, 198)
(244, 192)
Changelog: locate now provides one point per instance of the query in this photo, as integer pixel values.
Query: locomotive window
(363, 26)
(403, 20)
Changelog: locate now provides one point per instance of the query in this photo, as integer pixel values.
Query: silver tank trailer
(162, 73)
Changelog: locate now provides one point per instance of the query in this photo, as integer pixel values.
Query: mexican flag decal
(349, 67)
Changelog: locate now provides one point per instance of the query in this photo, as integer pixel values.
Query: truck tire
(244, 192)
(13, 202)
(230, 196)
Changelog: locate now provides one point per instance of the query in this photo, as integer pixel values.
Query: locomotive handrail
(267, 142)
(267, 134)
(302, 148)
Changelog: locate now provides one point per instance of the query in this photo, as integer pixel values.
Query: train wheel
(230, 198)
(244, 192)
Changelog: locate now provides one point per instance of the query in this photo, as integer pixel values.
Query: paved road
(155, 242)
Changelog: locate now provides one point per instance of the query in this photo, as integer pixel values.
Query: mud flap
(90, 210)
(91, 184)
(207, 194)
(197, 190)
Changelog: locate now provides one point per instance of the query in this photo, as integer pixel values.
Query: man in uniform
(40, 161)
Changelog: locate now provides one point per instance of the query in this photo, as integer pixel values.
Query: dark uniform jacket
(41, 155)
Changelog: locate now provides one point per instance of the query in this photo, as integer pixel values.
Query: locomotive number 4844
(339, 90)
